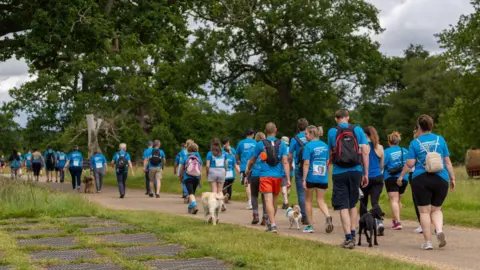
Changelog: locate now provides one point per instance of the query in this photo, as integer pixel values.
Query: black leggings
(191, 184)
(255, 189)
(374, 189)
(228, 190)
(36, 167)
(76, 173)
(413, 198)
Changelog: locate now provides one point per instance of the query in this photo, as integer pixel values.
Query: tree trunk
(93, 126)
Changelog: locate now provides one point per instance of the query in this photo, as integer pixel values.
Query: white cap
(285, 140)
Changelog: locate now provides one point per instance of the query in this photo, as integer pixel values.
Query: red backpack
(346, 153)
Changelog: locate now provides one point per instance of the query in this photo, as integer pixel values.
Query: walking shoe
(186, 200)
(308, 229)
(268, 228)
(272, 229)
(255, 219)
(150, 195)
(396, 225)
(427, 246)
(354, 240)
(380, 228)
(122, 196)
(224, 208)
(194, 210)
(146, 193)
(264, 221)
(328, 224)
(441, 240)
(348, 244)
(419, 229)
(285, 206)
(157, 195)
(249, 207)
(190, 209)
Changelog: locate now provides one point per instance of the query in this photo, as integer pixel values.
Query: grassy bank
(460, 207)
(257, 250)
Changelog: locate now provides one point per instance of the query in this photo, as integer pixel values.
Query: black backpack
(300, 153)
(272, 148)
(50, 159)
(346, 153)
(399, 168)
(155, 159)
(121, 162)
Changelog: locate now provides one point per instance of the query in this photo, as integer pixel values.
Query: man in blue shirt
(271, 171)
(296, 144)
(28, 165)
(74, 165)
(245, 150)
(155, 162)
(147, 180)
(347, 179)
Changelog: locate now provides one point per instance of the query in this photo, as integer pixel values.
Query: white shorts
(216, 175)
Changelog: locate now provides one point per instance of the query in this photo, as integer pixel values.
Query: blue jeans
(300, 193)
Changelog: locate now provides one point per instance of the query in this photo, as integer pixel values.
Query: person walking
(295, 155)
(375, 173)
(176, 169)
(350, 157)
(216, 167)
(155, 163)
(146, 170)
(37, 163)
(245, 151)
(27, 163)
(230, 175)
(315, 177)
(14, 161)
(99, 165)
(50, 163)
(62, 160)
(225, 143)
(433, 175)
(285, 189)
(395, 159)
(122, 162)
(274, 155)
(74, 164)
(254, 183)
(191, 171)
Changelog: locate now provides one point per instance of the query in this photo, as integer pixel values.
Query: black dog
(368, 223)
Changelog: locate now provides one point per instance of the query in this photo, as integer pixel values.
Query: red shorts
(270, 185)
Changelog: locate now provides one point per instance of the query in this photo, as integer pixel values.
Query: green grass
(460, 207)
(257, 250)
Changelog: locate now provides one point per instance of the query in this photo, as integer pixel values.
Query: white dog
(212, 204)
(294, 216)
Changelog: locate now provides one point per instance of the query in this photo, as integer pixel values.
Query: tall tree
(295, 47)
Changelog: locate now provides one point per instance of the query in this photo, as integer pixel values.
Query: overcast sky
(405, 21)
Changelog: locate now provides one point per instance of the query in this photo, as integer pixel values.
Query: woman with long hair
(216, 166)
(433, 174)
(375, 174)
(395, 159)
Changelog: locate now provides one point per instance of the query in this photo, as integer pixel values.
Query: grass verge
(256, 250)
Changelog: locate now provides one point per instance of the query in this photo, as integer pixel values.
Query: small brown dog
(89, 182)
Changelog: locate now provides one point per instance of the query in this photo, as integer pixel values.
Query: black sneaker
(150, 195)
(285, 206)
(194, 210)
(157, 195)
(122, 196)
(264, 222)
(146, 193)
(255, 219)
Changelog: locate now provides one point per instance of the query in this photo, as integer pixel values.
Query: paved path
(461, 252)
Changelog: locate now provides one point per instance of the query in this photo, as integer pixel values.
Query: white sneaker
(419, 229)
(249, 207)
(427, 246)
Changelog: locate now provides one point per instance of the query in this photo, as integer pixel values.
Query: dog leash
(227, 186)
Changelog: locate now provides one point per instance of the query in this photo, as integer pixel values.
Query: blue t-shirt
(216, 161)
(28, 159)
(98, 161)
(127, 157)
(257, 167)
(393, 158)
(62, 159)
(76, 159)
(245, 150)
(230, 175)
(374, 168)
(265, 169)
(148, 154)
(318, 155)
(295, 147)
(145, 155)
(49, 151)
(183, 153)
(430, 142)
(184, 161)
(361, 139)
(177, 158)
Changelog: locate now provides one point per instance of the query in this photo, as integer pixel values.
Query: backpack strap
(300, 142)
(436, 144)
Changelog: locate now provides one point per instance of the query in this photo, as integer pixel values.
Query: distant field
(460, 208)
